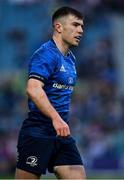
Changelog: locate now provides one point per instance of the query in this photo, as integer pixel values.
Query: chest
(65, 72)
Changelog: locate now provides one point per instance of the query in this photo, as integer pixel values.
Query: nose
(80, 30)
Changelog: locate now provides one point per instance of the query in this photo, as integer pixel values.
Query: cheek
(66, 35)
(68, 32)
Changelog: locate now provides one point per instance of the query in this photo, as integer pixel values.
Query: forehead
(72, 18)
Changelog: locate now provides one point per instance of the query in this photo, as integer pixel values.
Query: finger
(65, 132)
(58, 132)
(62, 132)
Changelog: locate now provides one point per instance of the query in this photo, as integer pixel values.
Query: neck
(62, 46)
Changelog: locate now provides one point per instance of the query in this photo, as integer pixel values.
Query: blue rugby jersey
(57, 72)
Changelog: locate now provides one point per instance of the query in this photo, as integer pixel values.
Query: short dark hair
(64, 11)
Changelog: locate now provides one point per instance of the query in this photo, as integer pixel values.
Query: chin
(75, 44)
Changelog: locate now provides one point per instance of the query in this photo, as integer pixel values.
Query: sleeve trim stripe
(34, 76)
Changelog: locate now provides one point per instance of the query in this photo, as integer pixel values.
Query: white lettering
(61, 86)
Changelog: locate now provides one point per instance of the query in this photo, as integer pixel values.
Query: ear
(58, 27)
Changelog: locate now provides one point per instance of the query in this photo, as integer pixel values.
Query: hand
(61, 127)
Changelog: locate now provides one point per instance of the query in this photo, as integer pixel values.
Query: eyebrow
(77, 23)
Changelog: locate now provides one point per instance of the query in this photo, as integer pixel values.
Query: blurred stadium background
(97, 109)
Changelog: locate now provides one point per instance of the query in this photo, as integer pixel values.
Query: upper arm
(33, 85)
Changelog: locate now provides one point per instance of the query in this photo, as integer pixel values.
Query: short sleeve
(42, 64)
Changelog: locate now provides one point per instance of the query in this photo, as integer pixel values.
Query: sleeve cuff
(37, 76)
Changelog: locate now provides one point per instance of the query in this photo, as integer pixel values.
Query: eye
(75, 24)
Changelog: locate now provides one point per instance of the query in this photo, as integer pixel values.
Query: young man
(45, 141)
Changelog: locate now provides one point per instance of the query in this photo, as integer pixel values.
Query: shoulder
(44, 55)
(47, 49)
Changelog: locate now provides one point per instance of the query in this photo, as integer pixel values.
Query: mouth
(78, 37)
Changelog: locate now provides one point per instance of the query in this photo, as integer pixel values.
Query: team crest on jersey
(32, 161)
(62, 69)
(70, 80)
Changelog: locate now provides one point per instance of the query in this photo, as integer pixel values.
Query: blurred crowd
(97, 110)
